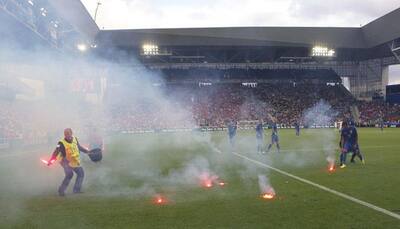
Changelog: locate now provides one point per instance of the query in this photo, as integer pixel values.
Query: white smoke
(195, 172)
(264, 185)
(323, 115)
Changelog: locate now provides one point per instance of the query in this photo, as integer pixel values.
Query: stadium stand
(213, 105)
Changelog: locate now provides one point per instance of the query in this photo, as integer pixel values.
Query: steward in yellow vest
(68, 153)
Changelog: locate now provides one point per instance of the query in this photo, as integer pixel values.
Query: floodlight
(322, 51)
(81, 47)
(43, 12)
(150, 49)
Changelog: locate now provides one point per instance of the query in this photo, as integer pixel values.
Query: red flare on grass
(208, 184)
(331, 168)
(160, 200)
(268, 196)
(207, 180)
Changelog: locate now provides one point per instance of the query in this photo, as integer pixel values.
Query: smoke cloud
(323, 115)
(265, 186)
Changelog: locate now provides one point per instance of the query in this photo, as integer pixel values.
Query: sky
(135, 14)
(394, 74)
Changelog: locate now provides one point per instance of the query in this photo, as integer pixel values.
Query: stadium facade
(360, 54)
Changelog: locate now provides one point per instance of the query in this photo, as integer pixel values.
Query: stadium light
(249, 84)
(202, 84)
(54, 23)
(150, 50)
(81, 47)
(30, 2)
(43, 12)
(321, 51)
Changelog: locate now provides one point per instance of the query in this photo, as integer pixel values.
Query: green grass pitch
(119, 192)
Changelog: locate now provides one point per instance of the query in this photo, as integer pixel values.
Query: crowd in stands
(281, 103)
(214, 105)
(373, 112)
(23, 120)
(148, 115)
(194, 106)
(10, 126)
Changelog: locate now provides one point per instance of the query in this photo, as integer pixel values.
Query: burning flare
(331, 168)
(160, 200)
(268, 196)
(207, 180)
(331, 164)
(267, 191)
(48, 162)
(208, 184)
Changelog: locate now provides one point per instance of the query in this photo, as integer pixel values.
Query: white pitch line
(366, 204)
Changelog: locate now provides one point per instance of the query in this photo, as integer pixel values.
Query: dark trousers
(69, 173)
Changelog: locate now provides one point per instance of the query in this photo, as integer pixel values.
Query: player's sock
(342, 158)
(279, 148)
(361, 157)
(261, 148)
(352, 158)
(269, 147)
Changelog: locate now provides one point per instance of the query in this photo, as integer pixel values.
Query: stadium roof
(377, 32)
(243, 36)
(19, 25)
(76, 14)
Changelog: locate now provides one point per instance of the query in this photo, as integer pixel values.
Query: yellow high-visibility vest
(72, 153)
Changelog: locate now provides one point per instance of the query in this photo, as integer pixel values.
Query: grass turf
(119, 191)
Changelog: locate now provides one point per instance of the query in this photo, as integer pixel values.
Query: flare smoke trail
(266, 190)
(322, 115)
